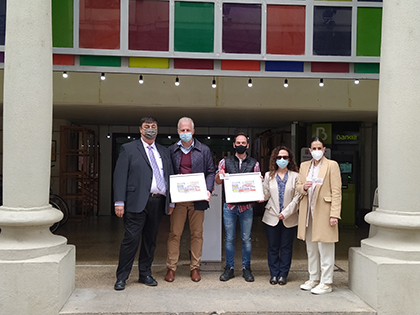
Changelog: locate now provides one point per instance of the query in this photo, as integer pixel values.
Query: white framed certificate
(243, 187)
(187, 187)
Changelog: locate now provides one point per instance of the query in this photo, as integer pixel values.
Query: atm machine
(348, 168)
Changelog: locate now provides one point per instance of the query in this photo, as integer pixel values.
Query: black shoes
(227, 274)
(247, 274)
(274, 280)
(119, 285)
(149, 281)
(282, 280)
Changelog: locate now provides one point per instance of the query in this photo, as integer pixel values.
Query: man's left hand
(208, 196)
(333, 221)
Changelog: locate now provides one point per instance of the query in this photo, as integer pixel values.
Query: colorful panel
(241, 65)
(99, 24)
(241, 28)
(285, 29)
(64, 60)
(100, 61)
(369, 26)
(199, 64)
(62, 23)
(332, 31)
(366, 68)
(284, 66)
(146, 62)
(2, 21)
(194, 27)
(148, 25)
(336, 67)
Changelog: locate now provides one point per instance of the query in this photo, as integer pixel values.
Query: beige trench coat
(327, 202)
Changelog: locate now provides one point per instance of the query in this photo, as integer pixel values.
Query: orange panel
(65, 60)
(241, 65)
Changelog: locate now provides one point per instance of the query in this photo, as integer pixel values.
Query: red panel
(65, 60)
(336, 67)
(201, 64)
(241, 65)
(286, 29)
(149, 25)
(99, 25)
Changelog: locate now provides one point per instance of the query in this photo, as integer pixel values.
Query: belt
(153, 195)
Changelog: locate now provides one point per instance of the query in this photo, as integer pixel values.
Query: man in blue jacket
(189, 156)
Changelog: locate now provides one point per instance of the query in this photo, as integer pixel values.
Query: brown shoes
(170, 275)
(195, 275)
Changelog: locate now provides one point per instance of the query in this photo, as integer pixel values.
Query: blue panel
(285, 66)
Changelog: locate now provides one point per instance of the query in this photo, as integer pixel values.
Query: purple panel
(1, 57)
(241, 28)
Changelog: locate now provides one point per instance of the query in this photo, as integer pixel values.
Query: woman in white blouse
(280, 216)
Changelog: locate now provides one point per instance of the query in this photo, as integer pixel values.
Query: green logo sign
(323, 132)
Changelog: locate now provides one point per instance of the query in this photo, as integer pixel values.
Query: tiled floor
(97, 241)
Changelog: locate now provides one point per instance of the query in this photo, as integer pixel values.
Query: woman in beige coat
(319, 210)
(280, 216)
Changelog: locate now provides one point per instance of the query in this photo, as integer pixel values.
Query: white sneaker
(308, 285)
(322, 288)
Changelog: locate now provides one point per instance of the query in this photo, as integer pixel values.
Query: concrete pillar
(37, 268)
(385, 271)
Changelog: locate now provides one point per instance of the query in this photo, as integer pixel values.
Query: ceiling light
(108, 136)
(141, 81)
(356, 81)
(321, 82)
(213, 83)
(103, 76)
(177, 81)
(250, 82)
(286, 83)
(65, 75)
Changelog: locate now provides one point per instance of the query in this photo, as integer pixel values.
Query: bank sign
(346, 137)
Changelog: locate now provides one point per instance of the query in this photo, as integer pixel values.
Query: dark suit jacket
(133, 175)
(201, 162)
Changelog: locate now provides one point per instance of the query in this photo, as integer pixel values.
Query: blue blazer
(133, 176)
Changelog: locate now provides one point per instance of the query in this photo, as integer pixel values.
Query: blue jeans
(229, 221)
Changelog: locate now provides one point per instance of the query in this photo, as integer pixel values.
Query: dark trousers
(144, 226)
(280, 248)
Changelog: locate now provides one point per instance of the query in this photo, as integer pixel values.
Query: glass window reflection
(332, 31)
(99, 24)
(148, 25)
(241, 28)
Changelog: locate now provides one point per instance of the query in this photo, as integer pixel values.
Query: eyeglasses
(285, 157)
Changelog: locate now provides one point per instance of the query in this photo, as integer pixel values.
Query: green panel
(62, 23)
(322, 131)
(369, 25)
(100, 61)
(366, 68)
(194, 27)
(348, 205)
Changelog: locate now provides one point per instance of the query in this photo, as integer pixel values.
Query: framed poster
(243, 187)
(187, 187)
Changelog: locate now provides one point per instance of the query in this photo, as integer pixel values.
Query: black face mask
(240, 149)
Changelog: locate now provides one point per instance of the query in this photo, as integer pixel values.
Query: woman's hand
(333, 221)
(280, 216)
(307, 185)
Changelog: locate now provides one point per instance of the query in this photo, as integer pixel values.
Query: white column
(385, 271)
(36, 267)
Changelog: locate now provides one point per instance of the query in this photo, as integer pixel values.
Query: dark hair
(273, 167)
(147, 119)
(314, 139)
(240, 134)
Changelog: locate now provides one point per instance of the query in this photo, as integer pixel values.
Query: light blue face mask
(282, 163)
(185, 136)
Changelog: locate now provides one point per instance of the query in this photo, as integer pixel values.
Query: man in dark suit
(141, 194)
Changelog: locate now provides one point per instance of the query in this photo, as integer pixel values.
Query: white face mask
(317, 154)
